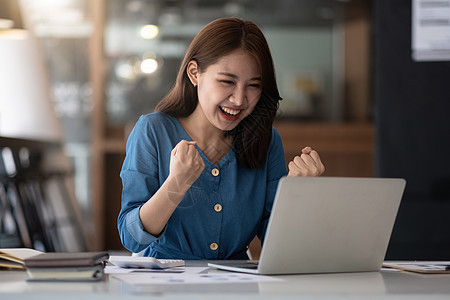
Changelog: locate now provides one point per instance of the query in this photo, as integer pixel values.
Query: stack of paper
(14, 257)
(424, 267)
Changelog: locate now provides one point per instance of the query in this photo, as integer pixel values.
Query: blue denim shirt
(245, 196)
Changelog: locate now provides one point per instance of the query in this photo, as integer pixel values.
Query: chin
(228, 127)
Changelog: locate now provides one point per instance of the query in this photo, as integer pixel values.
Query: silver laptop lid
(330, 224)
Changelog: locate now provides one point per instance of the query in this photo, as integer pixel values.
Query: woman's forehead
(237, 61)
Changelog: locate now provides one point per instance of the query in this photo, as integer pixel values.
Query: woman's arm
(186, 165)
(151, 172)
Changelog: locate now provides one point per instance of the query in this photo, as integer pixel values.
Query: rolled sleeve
(136, 191)
(136, 230)
(140, 182)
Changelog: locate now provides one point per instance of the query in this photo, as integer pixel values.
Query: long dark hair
(252, 136)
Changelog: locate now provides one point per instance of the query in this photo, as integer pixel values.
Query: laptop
(326, 225)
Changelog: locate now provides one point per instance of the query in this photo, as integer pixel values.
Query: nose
(238, 96)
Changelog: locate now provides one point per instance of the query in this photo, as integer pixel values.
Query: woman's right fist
(186, 164)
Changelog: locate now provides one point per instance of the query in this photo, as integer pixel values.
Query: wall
(301, 54)
(412, 109)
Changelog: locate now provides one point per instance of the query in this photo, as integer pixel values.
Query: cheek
(207, 90)
(251, 105)
(203, 94)
(253, 100)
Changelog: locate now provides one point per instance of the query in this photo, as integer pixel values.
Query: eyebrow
(236, 77)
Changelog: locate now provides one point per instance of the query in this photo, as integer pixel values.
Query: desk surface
(371, 285)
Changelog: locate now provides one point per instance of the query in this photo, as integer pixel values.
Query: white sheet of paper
(119, 270)
(190, 277)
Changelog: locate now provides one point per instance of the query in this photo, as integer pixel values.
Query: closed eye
(227, 81)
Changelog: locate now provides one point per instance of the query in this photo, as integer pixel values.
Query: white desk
(372, 285)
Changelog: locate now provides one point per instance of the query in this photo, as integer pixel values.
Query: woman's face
(229, 89)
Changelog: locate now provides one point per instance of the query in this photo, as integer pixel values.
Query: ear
(192, 72)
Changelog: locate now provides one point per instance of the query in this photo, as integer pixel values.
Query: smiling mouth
(229, 111)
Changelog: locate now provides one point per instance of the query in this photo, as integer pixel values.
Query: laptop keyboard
(244, 264)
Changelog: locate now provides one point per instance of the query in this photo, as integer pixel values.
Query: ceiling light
(149, 31)
(149, 65)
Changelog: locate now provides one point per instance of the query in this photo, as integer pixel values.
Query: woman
(200, 173)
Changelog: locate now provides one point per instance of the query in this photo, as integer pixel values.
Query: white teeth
(230, 111)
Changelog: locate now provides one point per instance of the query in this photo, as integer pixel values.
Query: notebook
(66, 259)
(66, 266)
(326, 225)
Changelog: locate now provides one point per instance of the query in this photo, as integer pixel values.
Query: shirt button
(213, 246)
(218, 207)
(215, 172)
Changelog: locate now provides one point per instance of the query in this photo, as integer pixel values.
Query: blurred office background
(352, 88)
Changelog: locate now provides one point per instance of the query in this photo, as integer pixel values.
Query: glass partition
(145, 42)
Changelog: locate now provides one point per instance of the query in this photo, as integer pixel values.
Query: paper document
(191, 276)
(429, 267)
(119, 270)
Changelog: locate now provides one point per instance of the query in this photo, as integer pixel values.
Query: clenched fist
(307, 164)
(186, 164)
